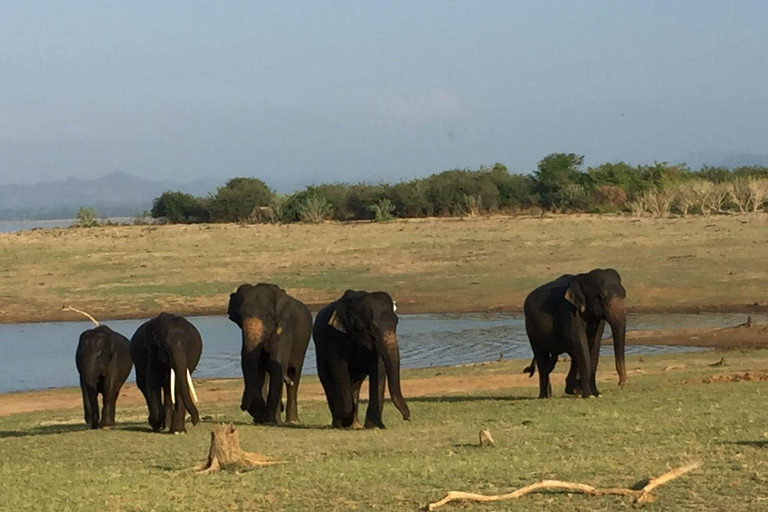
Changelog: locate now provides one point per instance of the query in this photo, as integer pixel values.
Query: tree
(237, 198)
(178, 207)
(555, 177)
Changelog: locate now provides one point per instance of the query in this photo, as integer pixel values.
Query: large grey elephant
(568, 315)
(103, 361)
(356, 337)
(276, 330)
(165, 351)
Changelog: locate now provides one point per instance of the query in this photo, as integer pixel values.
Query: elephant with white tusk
(165, 351)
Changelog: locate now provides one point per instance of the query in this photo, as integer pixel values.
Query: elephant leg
(346, 414)
(168, 404)
(329, 388)
(292, 406)
(376, 383)
(583, 364)
(572, 379)
(258, 407)
(109, 399)
(545, 366)
(175, 412)
(356, 385)
(595, 339)
(90, 404)
(275, 396)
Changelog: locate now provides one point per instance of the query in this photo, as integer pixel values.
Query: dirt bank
(404, 306)
(727, 338)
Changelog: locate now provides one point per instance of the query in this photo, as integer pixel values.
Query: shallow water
(42, 355)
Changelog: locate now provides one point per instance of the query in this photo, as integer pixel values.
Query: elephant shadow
(468, 398)
(65, 428)
(754, 444)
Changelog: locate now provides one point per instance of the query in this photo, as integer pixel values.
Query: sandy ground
(227, 391)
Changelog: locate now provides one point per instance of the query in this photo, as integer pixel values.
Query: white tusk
(173, 387)
(394, 305)
(191, 386)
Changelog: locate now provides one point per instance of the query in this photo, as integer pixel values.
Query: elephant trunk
(617, 319)
(390, 352)
(253, 337)
(181, 383)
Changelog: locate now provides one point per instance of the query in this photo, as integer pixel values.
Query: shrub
(86, 218)
(236, 200)
(314, 209)
(610, 195)
(472, 204)
(659, 201)
(383, 210)
(178, 207)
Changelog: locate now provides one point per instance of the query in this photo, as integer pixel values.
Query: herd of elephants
(355, 337)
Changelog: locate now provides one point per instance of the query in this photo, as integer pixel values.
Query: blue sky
(303, 92)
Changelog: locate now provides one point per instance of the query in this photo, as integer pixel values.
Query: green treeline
(560, 184)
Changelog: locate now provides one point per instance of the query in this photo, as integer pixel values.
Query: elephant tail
(530, 369)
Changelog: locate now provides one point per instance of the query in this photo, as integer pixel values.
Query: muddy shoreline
(405, 306)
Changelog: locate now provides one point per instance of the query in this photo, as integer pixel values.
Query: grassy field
(671, 412)
(433, 265)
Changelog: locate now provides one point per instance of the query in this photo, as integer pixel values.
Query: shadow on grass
(754, 444)
(468, 398)
(66, 429)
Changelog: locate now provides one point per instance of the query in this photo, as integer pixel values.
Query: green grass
(662, 419)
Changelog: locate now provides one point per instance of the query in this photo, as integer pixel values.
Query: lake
(42, 355)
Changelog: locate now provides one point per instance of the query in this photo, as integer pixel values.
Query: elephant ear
(234, 309)
(282, 303)
(336, 320)
(575, 295)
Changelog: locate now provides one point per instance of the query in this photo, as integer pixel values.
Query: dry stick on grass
(225, 450)
(641, 495)
(70, 308)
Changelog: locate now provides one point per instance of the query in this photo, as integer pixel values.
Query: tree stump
(486, 439)
(225, 451)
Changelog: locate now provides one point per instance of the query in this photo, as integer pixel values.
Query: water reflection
(34, 356)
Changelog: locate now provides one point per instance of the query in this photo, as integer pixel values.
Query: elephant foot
(371, 424)
(573, 391)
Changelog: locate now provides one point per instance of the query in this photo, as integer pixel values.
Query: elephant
(568, 315)
(356, 337)
(165, 351)
(103, 361)
(276, 329)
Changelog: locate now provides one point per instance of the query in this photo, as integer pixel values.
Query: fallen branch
(640, 495)
(70, 308)
(225, 451)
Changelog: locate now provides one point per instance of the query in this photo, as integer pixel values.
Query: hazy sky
(301, 92)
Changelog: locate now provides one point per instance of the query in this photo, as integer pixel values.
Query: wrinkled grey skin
(568, 315)
(164, 342)
(355, 337)
(103, 361)
(273, 353)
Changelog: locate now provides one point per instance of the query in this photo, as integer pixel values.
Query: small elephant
(568, 315)
(103, 361)
(355, 337)
(166, 350)
(276, 330)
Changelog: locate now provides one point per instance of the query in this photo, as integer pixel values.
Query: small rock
(486, 439)
(525, 423)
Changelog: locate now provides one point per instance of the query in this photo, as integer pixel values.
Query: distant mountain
(724, 159)
(115, 195)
